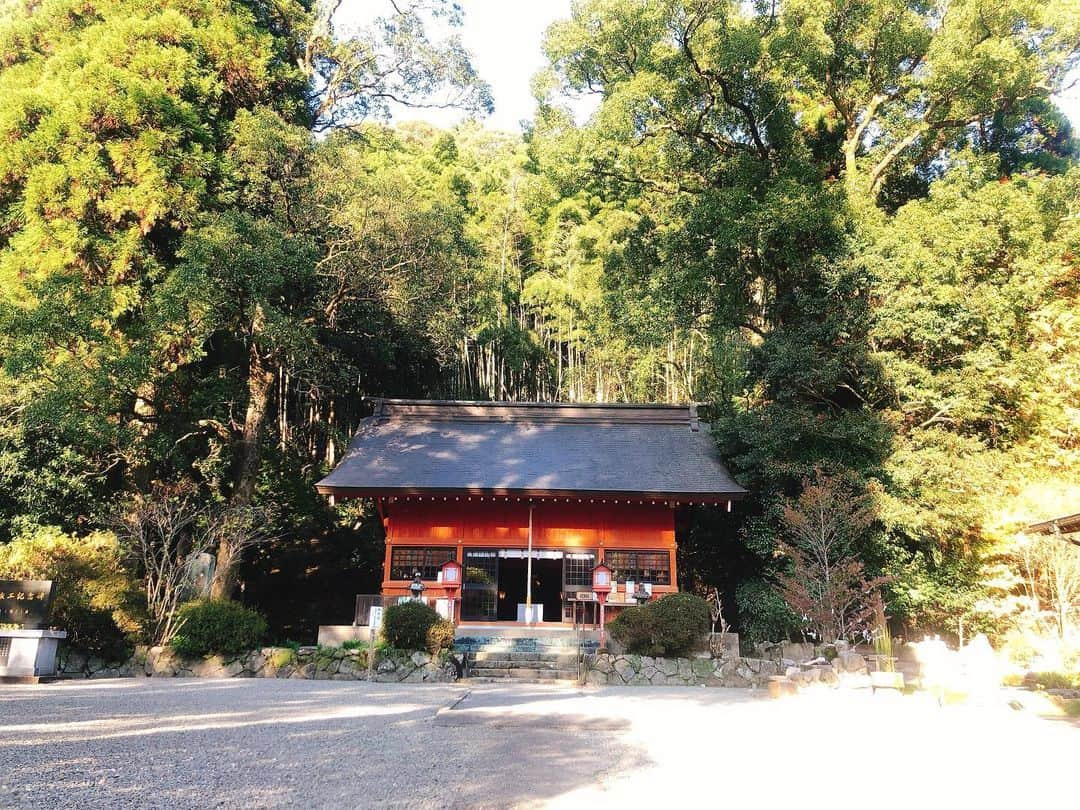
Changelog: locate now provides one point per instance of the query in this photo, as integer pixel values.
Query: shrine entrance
(495, 583)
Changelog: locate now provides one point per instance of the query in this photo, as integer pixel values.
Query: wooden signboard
(25, 603)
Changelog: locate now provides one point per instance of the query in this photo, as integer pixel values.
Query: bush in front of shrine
(218, 626)
(682, 620)
(415, 626)
(635, 629)
(671, 626)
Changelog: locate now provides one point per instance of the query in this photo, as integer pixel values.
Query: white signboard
(375, 614)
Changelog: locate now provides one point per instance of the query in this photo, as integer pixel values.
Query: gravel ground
(270, 743)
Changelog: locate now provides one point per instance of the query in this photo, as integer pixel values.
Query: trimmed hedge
(218, 626)
(672, 625)
(415, 626)
(635, 629)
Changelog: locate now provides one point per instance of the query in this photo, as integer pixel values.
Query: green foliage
(440, 636)
(883, 646)
(763, 614)
(1053, 680)
(414, 626)
(283, 657)
(672, 625)
(212, 626)
(96, 599)
(1012, 679)
(354, 644)
(682, 620)
(1071, 708)
(635, 628)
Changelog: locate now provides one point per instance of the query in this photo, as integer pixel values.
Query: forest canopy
(851, 229)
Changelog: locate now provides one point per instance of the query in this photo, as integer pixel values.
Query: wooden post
(528, 572)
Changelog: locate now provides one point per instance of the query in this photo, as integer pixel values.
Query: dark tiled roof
(416, 446)
(1065, 525)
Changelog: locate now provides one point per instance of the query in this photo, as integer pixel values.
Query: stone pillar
(28, 655)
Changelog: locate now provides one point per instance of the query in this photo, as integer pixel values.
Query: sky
(504, 37)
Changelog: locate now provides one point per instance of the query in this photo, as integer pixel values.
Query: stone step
(523, 645)
(518, 651)
(503, 675)
(575, 681)
(494, 655)
(476, 666)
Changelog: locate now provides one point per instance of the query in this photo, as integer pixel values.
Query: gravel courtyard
(283, 743)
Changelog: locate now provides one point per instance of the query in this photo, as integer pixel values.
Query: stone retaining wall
(606, 669)
(311, 663)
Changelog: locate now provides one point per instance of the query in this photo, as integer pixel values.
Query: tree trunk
(249, 456)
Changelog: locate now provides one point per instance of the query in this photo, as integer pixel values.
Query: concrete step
(532, 675)
(476, 666)
(552, 682)
(525, 644)
(495, 655)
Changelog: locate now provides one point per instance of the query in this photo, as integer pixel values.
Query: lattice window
(404, 562)
(578, 568)
(640, 566)
(5, 651)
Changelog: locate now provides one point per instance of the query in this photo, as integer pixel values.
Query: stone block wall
(311, 663)
(606, 669)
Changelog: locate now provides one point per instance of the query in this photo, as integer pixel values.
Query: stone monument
(27, 645)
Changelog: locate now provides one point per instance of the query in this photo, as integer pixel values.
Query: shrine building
(505, 488)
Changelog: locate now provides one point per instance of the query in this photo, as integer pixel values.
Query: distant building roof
(516, 448)
(1066, 525)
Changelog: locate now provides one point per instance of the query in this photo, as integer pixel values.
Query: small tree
(716, 615)
(827, 585)
(163, 531)
(716, 612)
(232, 530)
(160, 533)
(1050, 564)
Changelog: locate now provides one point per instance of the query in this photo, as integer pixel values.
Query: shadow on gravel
(282, 744)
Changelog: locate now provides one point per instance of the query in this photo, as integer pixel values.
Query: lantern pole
(603, 599)
(528, 572)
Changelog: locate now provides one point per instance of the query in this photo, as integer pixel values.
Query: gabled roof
(528, 448)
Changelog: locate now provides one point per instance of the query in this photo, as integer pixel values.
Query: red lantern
(601, 585)
(451, 581)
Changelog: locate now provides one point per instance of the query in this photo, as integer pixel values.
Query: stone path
(181, 743)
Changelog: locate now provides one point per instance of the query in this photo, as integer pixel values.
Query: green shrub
(682, 620)
(282, 657)
(763, 614)
(218, 626)
(635, 629)
(95, 598)
(672, 625)
(354, 644)
(406, 625)
(440, 636)
(1071, 707)
(1054, 680)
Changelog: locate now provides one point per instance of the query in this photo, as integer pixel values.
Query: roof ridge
(517, 403)
(524, 412)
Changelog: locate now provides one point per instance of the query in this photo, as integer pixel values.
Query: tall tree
(117, 120)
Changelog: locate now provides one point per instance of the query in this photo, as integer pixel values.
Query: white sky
(504, 37)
